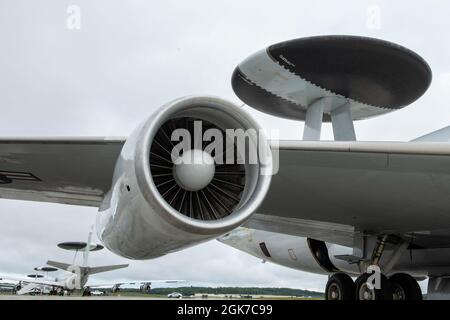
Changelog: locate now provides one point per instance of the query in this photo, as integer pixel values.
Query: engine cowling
(166, 197)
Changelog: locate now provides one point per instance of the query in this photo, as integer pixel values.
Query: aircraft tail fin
(441, 135)
(59, 265)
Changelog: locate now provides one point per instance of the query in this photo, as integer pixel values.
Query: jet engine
(196, 169)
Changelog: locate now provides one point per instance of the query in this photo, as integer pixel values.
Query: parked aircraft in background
(75, 276)
(340, 207)
(144, 285)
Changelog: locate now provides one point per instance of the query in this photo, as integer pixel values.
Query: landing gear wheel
(86, 293)
(363, 292)
(405, 287)
(340, 287)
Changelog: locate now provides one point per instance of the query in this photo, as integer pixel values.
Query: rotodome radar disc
(78, 245)
(46, 269)
(374, 76)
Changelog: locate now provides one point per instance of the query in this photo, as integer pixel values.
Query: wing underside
(336, 190)
(70, 171)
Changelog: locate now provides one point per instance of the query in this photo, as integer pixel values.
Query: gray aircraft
(200, 167)
(74, 277)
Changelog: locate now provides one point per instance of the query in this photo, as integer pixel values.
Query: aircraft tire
(340, 287)
(405, 287)
(363, 292)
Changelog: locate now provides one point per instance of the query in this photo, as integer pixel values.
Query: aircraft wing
(43, 282)
(344, 187)
(136, 282)
(332, 191)
(7, 284)
(63, 170)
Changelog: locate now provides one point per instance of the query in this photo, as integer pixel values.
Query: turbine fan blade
(215, 201)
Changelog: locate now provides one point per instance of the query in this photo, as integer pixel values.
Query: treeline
(190, 291)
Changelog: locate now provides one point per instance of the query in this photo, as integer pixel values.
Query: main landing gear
(400, 286)
(374, 285)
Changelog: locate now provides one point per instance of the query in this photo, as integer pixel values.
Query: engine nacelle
(291, 251)
(166, 197)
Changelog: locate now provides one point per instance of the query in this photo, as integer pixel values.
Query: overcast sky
(128, 58)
